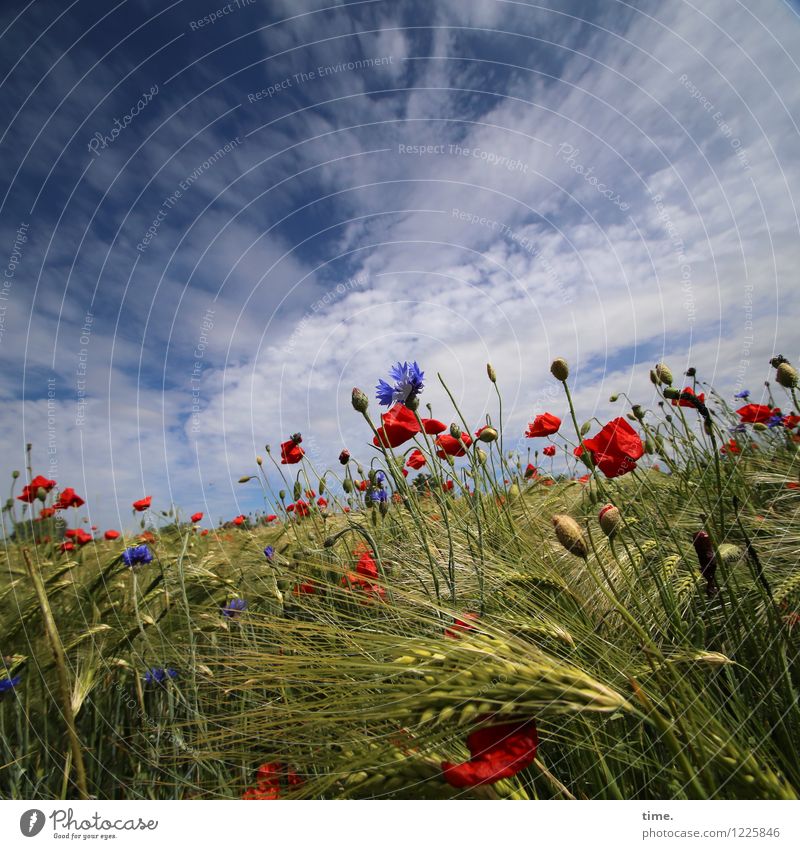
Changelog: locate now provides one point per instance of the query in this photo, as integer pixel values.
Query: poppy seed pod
(610, 519)
(786, 376)
(559, 369)
(664, 374)
(491, 372)
(487, 434)
(570, 535)
(360, 400)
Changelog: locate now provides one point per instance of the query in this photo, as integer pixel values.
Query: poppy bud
(513, 490)
(481, 455)
(570, 535)
(321, 486)
(267, 449)
(559, 369)
(672, 394)
(585, 428)
(778, 360)
(282, 495)
(41, 493)
(412, 404)
(613, 398)
(786, 376)
(663, 374)
(15, 474)
(245, 478)
(653, 377)
(610, 519)
(487, 434)
(296, 438)
(649, 446)
(259, 459)
(691, 371)
(383, 507)
(297, 491)
(344, 457)
(347, 485)
(759, 426)
(455, 431)
(637, 411)
(631, 416)
(360, 401)
(491, 372)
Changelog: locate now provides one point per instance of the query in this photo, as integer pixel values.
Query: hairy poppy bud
(585, 428)
(570, 535)
(297, 491)
(344, 457)
(778, 360)
(559, 369)
(637, 411)
(481, 455)
(245, 478)
(653, 377)
(15, 474)
(321, 486)
(282, 494)
(347, 485)
(786, 376)
(610, 519)
(649, 446)
(455, 431)
(613, 398)
(360, 401)
(487, 434)
(259, 459)
(491, 372)
(759, 426)
(664, 374)
(691, 371)
(672, 394)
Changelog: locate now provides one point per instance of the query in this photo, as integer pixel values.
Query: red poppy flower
(756, 413)
(615, 449)
(543, 425)
(142, 504)
(682, 402)
(791, 421)
(111, 534)
(448, 445)
(47, 512)
(460, 626)
(30, 491)
(310, 494)
(322, 502)
(68, 498)
(291, 452)
(400, 424)
(204, 532)
(147, 536)
(239, 520)
(78, 535)
(792, 485)
(67, 546)
(304, 589)
(270, 779)
(196, 517)
(271, 518)
(346, 509)
(299, 507)
(405, 473)
(584, 479)
(416, 459)
(531, 471)
(549, 451)
(496, 752)
(731, 447)
(447, 486)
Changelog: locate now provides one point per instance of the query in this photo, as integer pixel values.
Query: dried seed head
(559, 369)
(610, 519)
(570, 535)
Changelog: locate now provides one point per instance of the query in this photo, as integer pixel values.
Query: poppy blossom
(496, 752)
(416, 459)
(67, 546)
(142, 504)
(755, 413)
(299, 508)
(271, 518)
(111, 535)
(531, 471)
(68, 498)
(196, 517)
(239, 520)
(30, 491)
(270, 779)
(460, 626)
(449, 445)
(362, 578)
(687, 402)
(322, 502)
(147, 536)
(731, 447)
(47, 512)
(584, 479)
(543, 425)
(408, 383)
(549, 451)
(400, 424)
(291, 452)
(447, 486)
(204, 532)
(615, 449)
(304, 589)
(791, 421)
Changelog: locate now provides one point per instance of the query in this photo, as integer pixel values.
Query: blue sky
(249, 209)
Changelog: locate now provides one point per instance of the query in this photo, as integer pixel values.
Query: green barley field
(436, 618)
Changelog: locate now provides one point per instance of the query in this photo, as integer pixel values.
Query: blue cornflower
(136, 555)
(8, 684)
(378, 495)
(234, 607)
(269, 551)
(158, 675)
(408, 384)
(739, 428)
(744, 394)
(775, 421)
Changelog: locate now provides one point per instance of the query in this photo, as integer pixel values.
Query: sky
(215, 220)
